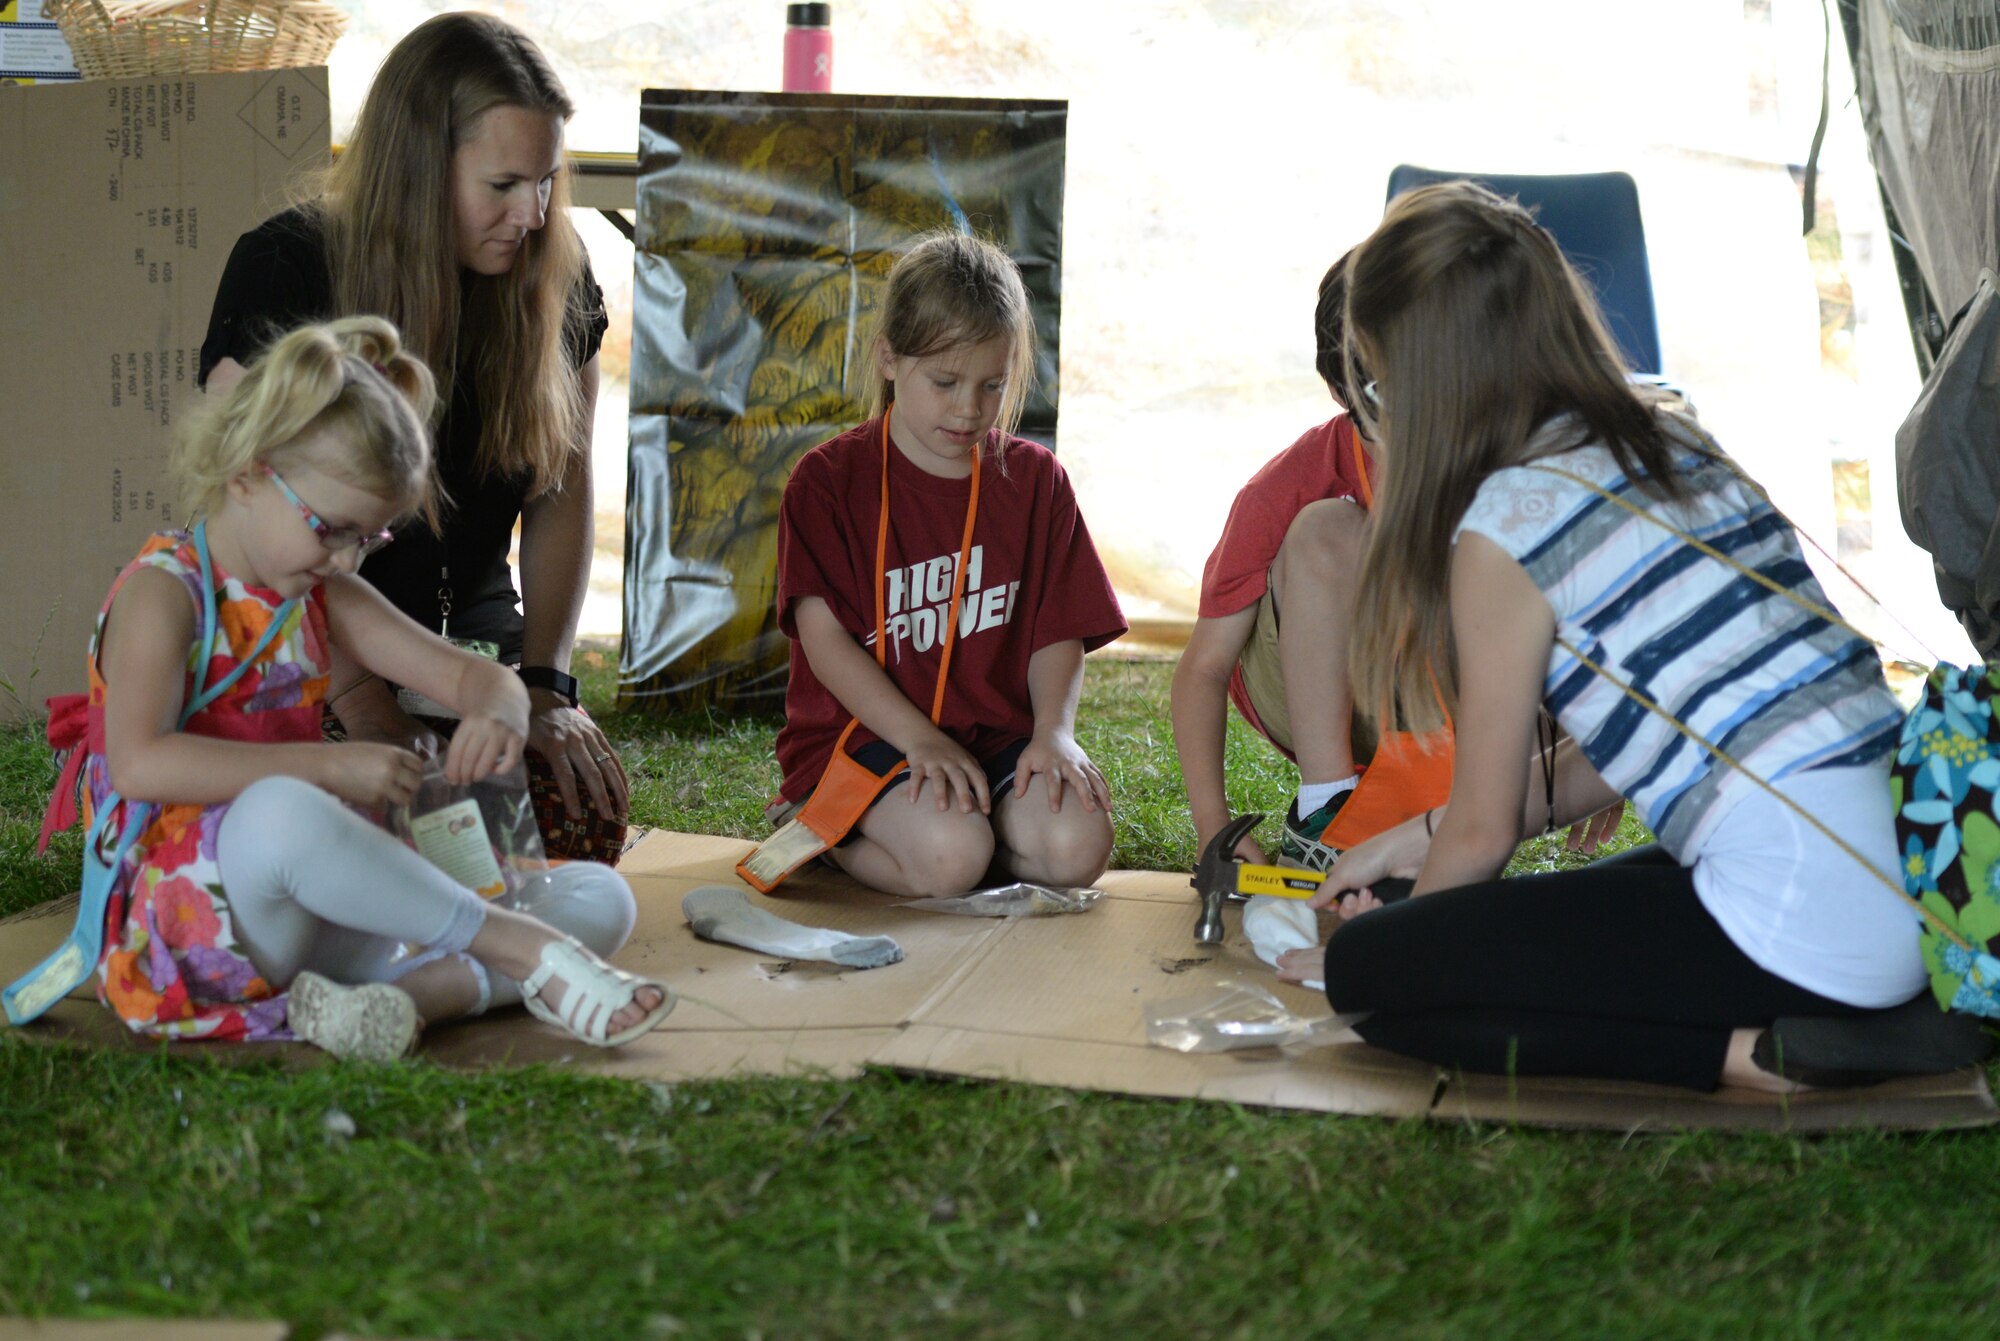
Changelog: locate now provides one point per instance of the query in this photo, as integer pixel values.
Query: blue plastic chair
(1594, 218)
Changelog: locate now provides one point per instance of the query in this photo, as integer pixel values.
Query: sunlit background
(1221, 155)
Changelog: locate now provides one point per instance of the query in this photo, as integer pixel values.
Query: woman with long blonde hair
(1530, 551)
(447, 213)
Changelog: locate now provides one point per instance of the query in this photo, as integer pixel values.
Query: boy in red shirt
(1277, 599)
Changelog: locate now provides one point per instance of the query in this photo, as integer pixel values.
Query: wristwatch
(551, 679)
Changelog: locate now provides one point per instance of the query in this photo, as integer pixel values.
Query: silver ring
(599, 758)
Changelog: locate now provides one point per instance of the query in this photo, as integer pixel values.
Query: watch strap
(551, 679)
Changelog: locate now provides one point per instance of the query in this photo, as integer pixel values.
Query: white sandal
(593, 991)
(375, 1022)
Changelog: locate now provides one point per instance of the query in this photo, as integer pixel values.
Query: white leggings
(312, 885)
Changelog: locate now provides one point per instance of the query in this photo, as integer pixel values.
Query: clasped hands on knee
(956, 777)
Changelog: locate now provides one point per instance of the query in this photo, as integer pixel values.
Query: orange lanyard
(1361, 468)
(882, 577)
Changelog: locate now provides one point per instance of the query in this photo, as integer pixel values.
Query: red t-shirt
(1326, 462)
(1033, 579)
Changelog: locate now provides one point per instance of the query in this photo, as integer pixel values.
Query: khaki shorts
(1264, 678)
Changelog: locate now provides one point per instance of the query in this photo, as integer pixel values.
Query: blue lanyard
(119, 826)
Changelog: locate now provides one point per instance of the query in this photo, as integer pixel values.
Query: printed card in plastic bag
(481, 834)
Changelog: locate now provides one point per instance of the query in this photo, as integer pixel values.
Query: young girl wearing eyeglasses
(254, 903)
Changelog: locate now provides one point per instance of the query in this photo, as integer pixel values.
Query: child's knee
(279, 804)
(944, 860)
(1327, 537)
(1073, 848)
(587, 900)
(1082, 849)
(277, 794)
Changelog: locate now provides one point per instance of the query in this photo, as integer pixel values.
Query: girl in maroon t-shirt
(940, 590)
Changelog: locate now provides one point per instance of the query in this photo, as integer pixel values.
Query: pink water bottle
(809, 48)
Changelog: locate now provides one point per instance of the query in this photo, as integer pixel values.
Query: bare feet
(511, 944)
(1739, 1067)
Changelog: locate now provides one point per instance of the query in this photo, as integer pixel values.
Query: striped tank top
(1748, 669)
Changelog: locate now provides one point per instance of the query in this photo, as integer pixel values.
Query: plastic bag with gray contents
(1016, 900)
(1231, 1015)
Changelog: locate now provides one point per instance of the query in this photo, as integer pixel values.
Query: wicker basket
(128, 39)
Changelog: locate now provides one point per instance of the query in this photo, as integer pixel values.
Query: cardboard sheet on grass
(1053, 1001)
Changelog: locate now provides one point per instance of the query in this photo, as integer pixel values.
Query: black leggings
(1614, 971)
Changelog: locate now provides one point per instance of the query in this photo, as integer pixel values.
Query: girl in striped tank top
(1529, 555)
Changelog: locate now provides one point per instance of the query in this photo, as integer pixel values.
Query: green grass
(542, 1204)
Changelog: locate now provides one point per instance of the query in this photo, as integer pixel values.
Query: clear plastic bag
(1016, 900)
(1232, 1015)
(481, 834)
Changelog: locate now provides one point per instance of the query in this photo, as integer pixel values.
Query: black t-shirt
(277, 279)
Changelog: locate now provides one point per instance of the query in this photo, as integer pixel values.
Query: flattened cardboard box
(119, 203)
(1051, 1001)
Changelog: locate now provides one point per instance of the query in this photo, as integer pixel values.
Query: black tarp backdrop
(766, 225)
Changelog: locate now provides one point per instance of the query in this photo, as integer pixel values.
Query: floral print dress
(171, 965)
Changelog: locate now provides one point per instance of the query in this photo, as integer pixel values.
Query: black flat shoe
(1843, 1051)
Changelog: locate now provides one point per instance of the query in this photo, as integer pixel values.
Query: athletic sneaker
(1299, 845)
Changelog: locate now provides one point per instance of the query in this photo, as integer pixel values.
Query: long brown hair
(950, 290)
(1478, 333)
(391, 239)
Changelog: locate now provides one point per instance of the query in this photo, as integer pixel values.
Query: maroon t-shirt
(1033, 579)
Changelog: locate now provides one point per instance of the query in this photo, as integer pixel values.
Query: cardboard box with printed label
(119, 203)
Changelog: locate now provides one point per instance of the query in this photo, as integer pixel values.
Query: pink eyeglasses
(333, 538)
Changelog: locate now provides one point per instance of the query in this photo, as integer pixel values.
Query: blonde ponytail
(347, 378)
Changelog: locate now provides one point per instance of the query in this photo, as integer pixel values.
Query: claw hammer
(1221, 873)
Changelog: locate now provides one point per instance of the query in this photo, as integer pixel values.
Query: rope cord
(1828, 616)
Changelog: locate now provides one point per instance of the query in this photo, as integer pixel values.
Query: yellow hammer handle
(1284, 882)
